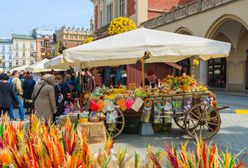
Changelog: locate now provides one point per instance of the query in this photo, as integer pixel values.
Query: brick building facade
(139, 11)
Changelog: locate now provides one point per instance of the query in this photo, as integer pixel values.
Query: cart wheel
(179, 120)
(202, 121)
(115, 129)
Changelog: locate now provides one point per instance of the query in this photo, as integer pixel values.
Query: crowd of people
(44, 96)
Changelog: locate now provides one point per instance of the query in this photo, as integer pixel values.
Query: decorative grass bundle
(204, 156)
(67, 147)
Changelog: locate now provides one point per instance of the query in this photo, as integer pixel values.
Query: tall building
(224, 20)
(6, 53)
(24, 49)
(68, 37)
(138, 10)
(43, 39)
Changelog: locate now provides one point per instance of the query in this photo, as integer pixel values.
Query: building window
(31, 54)
(100, 19)
(23, 62)
(17, 62)
(16, 53)
(109, 12)
(23, 54)
(16, 45)
(23, 45)
(121, 7)
(31, 46)
(10, 57)
(32, 62)
(100, 13)
(46, 43)
(10, 65)
(3, 48)
(71, 36)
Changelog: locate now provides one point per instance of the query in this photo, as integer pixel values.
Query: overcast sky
(21, 16)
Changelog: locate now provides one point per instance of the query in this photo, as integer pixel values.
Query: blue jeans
(11, 113)
(21, 110)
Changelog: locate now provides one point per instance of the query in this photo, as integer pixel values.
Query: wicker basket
(83, 120)
(95, 119)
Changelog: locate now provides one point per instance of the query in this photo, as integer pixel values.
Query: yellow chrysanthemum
(88, 39)
(120, 25)
(196, 62)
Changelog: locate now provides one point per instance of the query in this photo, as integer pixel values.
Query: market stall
(129, 47)
(58, 62)
(40, 67)
(20, 68)
(191, 106)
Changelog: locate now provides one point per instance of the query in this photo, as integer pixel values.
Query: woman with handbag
(28, 88)
(44, 98)
(7, 94)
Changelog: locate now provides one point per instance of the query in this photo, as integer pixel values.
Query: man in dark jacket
(59, 97)
(58, 90)
(7, 94)
(65, 86)
(28, 88)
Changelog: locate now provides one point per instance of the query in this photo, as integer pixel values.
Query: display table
(96, 132)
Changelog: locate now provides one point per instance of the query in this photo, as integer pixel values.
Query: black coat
(58, 91)
(28, 88)
(7, 95)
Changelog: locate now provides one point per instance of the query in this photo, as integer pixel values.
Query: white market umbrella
(20, 68)
(38, 66)
(58, 62)
(129, 47)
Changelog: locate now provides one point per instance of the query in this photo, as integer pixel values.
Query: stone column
(141, 11)
(200, 72)
(203, 72)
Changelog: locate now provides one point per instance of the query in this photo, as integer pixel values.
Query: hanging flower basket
(121, 25)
